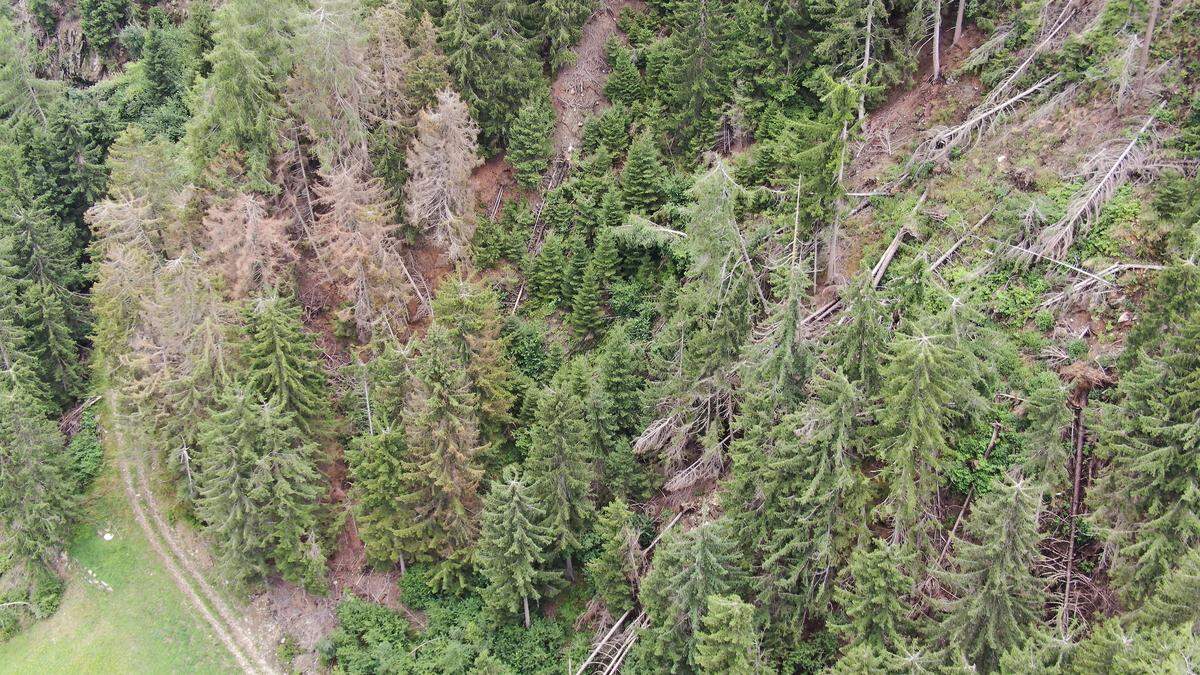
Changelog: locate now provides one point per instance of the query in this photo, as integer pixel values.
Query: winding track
(227, 624)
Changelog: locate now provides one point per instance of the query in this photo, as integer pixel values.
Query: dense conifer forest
(598, 336)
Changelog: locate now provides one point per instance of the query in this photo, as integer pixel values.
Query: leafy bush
(369, 636)
(87, 455)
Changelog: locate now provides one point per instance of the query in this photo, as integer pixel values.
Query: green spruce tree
(925, 384)
(562, 470)
(616, 566)
(513, 545)
(690, 567)
(38, 494)
(441, 426)
(728, 641)
(238, 103)
(876, 599)
(384, 508)
(624, 84)
(530, 138)
(643, 176)
(999, 600)
(282, 362)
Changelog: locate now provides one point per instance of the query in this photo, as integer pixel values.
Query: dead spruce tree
(440, 160)
(247, 244)
(357, 237)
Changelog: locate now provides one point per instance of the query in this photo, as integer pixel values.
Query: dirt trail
(227, 624)
(578, 89)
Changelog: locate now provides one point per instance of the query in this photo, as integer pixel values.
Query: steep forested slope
(689, 336)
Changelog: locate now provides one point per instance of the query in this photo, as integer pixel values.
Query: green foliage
(1150, 486)
(87, 454)
(874, 600)
(513, 545)
(530, 138)
(491, 61)
(100, 19)
(927, 387)
(442, 433)
(238, 103)
(728, 642)
(561, 469)
(562, 23)
(383, 476)
(687, 569)
(624, 84)
(612, 571)
(39, 497)
(370, 638)
(260, 490)
(642, 178)
(999, 599)
(282, 362)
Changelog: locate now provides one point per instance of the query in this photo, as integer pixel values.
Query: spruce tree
(998, 598)
(384, 508)
(643, 176)
(616, 566)
(587, 315)
(492, 62)
(442, 430)
(530, 138)
(562, 470)
(1176, 601)
(513, 545)
(860, 344)
(546, 270)
(1148, 498)
(287, 488)
(923, 382)
(238, 104)
(470, 315)
(1113, 648)
(1046, 417)
(160, 59)
(42, 271)
(282, 362)
(728, 642)
(38, 494)
(198, 29)
(690, 567)
(562, 24)
(260, 490)
(438, 196)
(875, 600)
(622, 372)
(815, 499)
(624, 84)
(701, 67)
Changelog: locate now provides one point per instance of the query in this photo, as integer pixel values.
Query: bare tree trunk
(958, 21)
(862, 102)
(403, 566)
(525, 604)
(570, 569)
(1064, 618)
(937, 41)
(1144, 57)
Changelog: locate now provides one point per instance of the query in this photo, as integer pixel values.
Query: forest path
(578, 89)
(228, 626)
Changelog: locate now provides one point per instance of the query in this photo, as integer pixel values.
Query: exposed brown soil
(578, 91)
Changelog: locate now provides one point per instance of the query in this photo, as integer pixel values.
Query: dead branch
(1054, 241)
(1084, 285)
(943, 141)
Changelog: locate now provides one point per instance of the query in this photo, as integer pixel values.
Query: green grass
(143, 625)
